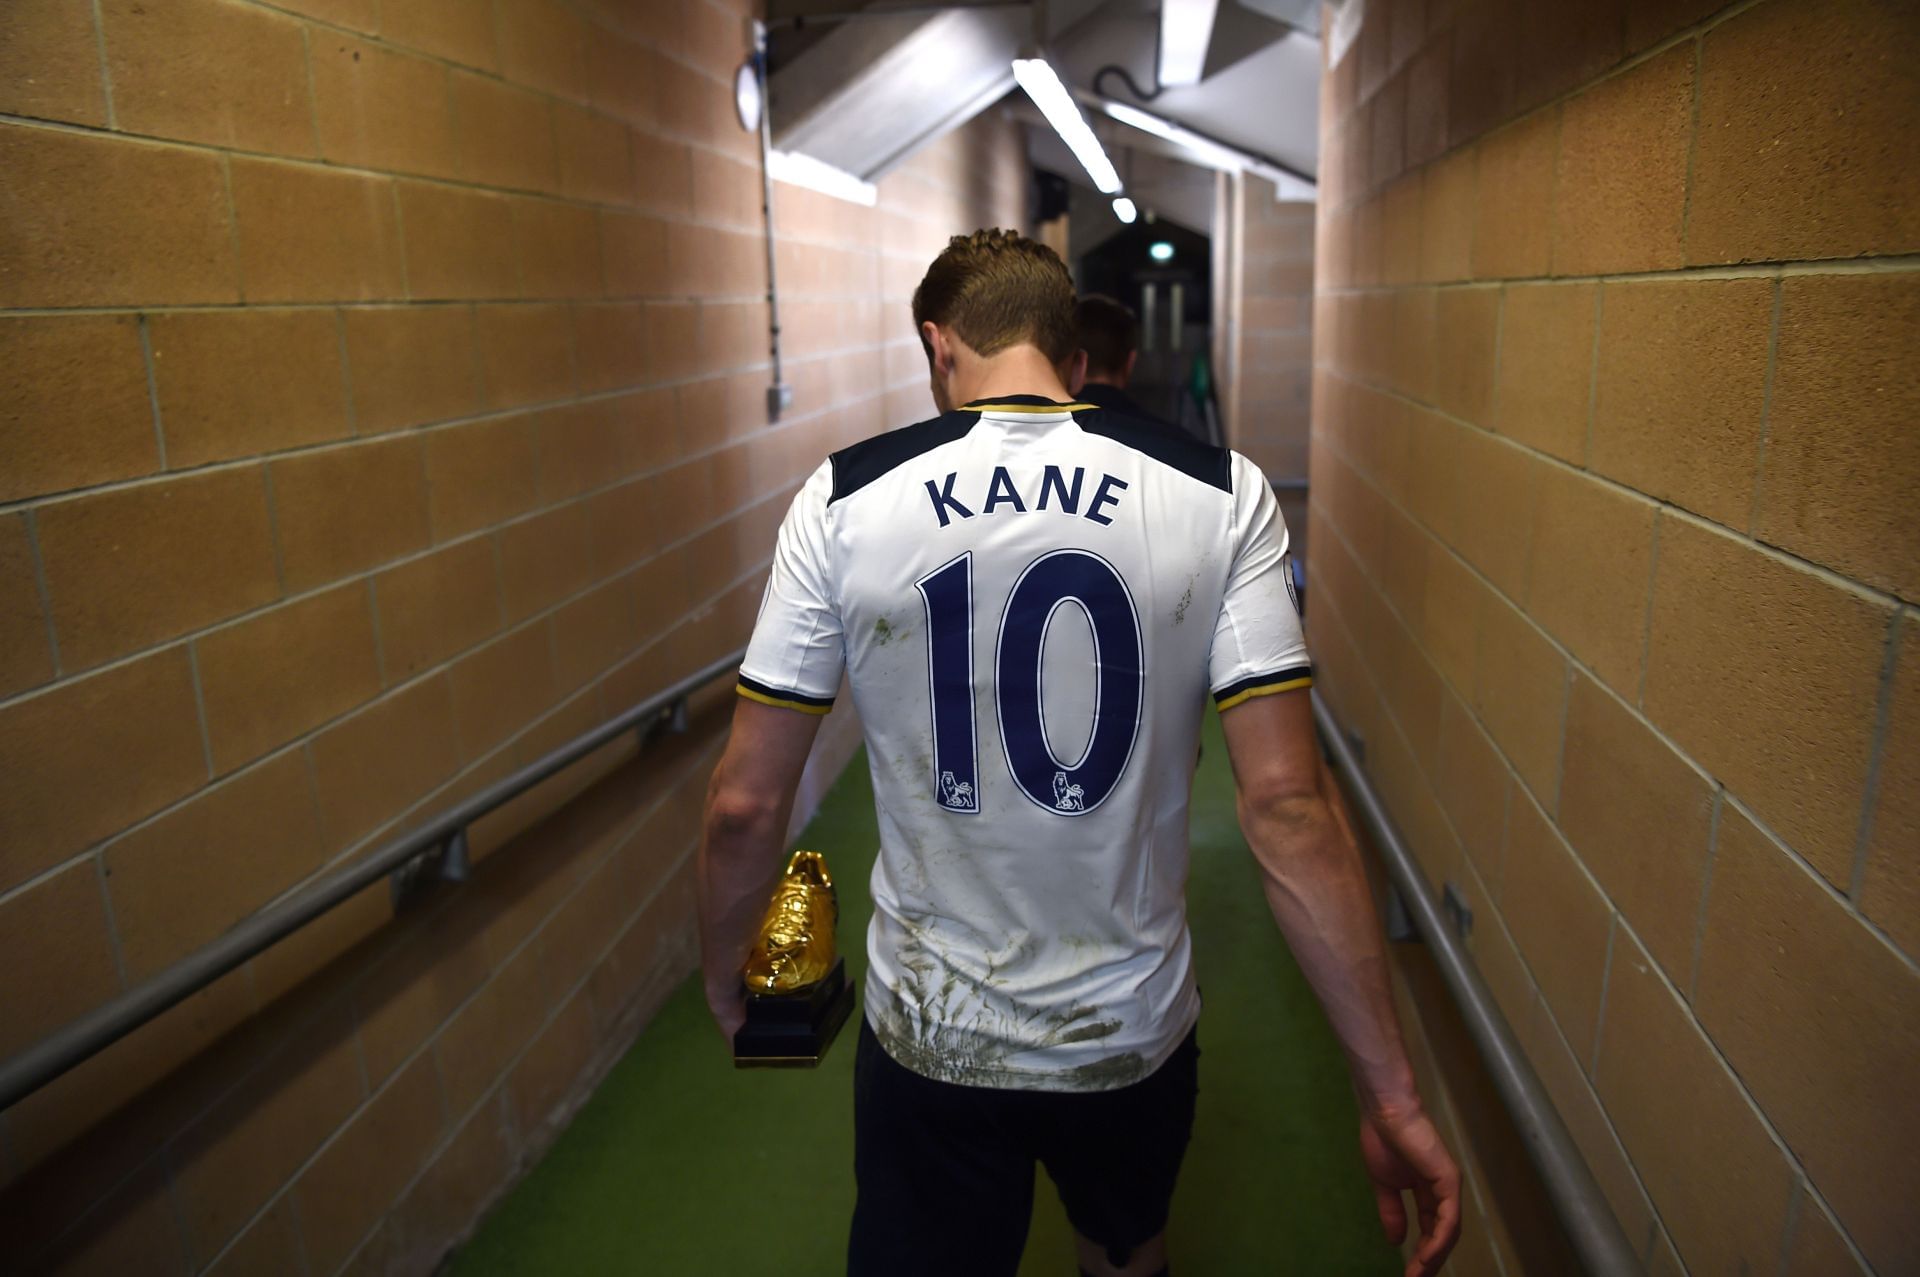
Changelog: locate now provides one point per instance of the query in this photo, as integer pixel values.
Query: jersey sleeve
(797, 652)
(1258, 645)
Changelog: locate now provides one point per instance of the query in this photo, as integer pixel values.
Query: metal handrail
(1576, 1196)
(67, 1046)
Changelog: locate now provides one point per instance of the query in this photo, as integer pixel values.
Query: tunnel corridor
(677, 1163)
(403, 398)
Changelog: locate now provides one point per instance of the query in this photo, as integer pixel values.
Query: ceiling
(864, 94)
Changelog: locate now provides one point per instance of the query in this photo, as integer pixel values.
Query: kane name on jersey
(1002, 494)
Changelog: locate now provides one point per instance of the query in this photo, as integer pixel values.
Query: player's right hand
(1403, 1153)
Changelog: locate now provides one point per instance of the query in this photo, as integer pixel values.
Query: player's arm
(788, 679)
(749, 802)
(1317, 890)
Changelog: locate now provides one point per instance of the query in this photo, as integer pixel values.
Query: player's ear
(939, 364)
(939, 349)
(1133, 357)
(1076, 372)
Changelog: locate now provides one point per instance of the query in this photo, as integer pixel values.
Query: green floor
(681, 1165)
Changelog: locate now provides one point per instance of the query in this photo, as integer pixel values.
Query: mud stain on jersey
(885, 632)
(1066, 1027)
(1186, 601)
(952, 1026)
(1109, 1074)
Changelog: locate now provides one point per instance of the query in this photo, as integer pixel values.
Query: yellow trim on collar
(1268, 690)
(777, 703)
(1032, 408)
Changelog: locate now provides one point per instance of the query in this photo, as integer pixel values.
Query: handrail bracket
(449, 861)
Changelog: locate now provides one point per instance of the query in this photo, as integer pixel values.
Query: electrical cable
(1133, 86)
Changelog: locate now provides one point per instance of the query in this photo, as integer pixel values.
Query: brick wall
(1614, 559)
(1269, 332)
(386, 407)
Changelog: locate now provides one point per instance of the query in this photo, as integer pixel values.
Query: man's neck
(1020, 370)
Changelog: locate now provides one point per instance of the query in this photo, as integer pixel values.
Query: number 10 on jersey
(1047, 584)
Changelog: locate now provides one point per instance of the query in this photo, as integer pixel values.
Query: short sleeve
(1258, 646)
(797, 652)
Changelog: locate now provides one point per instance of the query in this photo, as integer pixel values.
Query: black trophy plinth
(793, 1030)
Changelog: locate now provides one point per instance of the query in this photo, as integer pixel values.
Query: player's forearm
(738, 865)
(1318, 893)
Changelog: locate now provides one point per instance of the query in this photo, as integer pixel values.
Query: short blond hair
(997, 288)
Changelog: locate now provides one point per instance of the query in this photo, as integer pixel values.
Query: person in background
(1109, 333)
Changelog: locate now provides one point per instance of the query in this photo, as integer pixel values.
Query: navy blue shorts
(945, 1172)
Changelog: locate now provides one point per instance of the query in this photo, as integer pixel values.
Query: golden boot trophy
(796, 982)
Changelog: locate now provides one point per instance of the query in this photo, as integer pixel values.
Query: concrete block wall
(387, 406)
(1614, 565)
(1267, 369)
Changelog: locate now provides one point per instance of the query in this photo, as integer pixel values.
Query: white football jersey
(1031, 602)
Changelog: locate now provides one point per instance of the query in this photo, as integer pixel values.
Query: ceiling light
(1207, 151)
(1186, 28)
(1204, 150)
(1124, 210)
(1051, 96)
(818, 175)
(1160, 251)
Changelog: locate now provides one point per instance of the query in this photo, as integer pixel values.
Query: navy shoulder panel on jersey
(1202, 461)
(857, 465)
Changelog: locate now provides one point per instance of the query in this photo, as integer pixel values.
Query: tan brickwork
(175, 882)
(50, 62)
(1890, 891)
(1545, 379)
(26, 650)
(410, 419)
(296, 396)
(1612, 430)
(1266, 330)
(80, 412)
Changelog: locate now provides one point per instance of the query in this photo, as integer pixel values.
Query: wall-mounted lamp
(749, 100)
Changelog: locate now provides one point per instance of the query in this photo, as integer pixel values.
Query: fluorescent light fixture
(1186, 28)
(1160, 251)
(817, 175)
(1051, 96)
(1208, 152)
(1124, 210)
(1212, 154)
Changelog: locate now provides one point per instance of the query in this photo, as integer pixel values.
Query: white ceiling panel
(871, 93)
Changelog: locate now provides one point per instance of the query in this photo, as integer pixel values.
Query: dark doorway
(1165, 273)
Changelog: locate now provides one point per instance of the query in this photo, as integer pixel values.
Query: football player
(1031, 600)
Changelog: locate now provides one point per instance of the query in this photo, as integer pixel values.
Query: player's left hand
(1403, 1153)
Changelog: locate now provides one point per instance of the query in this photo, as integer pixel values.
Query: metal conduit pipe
(106, 1024)
(1576, 1196)
(779, 394)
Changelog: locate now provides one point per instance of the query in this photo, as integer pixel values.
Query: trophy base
(793, 1030)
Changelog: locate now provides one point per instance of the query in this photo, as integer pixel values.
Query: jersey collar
(1024, 405)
